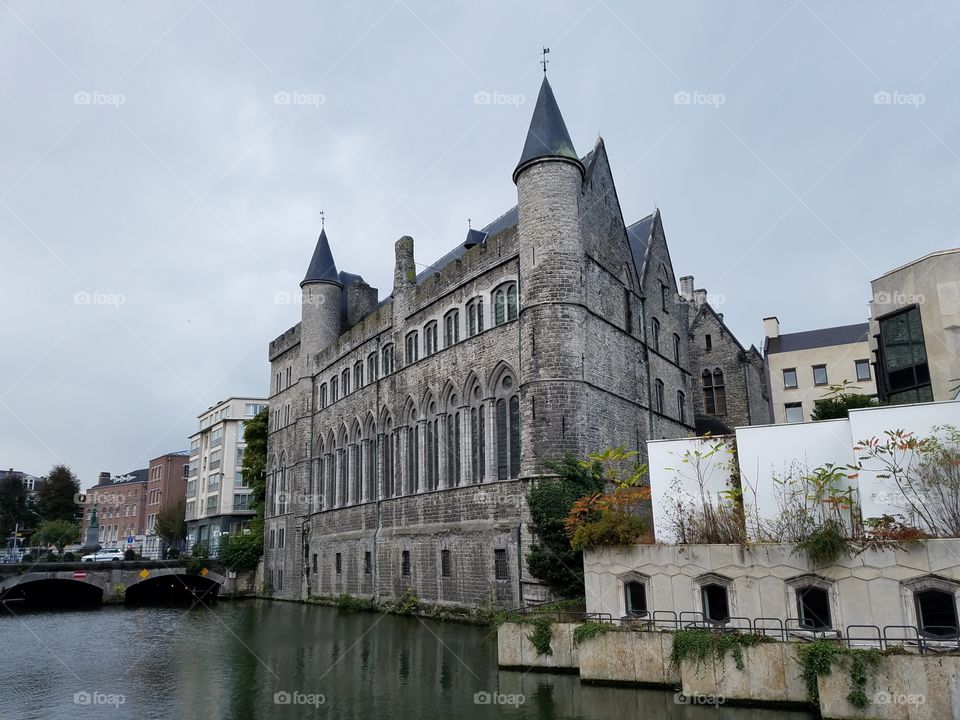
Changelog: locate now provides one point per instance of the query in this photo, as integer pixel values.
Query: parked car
(104, 555)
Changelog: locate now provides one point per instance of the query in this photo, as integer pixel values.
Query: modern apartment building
(915, 329)
(803, 365)
(166, 486)
(217, 499)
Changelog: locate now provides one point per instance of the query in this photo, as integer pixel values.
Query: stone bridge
(130, 582)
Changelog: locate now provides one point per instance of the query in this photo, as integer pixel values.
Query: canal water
(262, 660)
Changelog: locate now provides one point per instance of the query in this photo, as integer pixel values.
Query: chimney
(771, 327)
(700, 297)
(686, 287)
(103, 478)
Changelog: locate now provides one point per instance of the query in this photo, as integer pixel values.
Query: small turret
(320, 302)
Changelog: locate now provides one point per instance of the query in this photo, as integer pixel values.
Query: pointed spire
(547, 136)
(322, 267)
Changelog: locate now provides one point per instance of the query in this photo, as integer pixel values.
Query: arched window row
(362, 373)
(483, 311)
(461, 439)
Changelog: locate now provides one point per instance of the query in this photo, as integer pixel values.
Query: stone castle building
(404, 433)
(732, 380)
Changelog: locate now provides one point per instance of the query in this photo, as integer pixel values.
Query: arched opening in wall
(52, 593)
(316, 478)
(478, 433)
(282, 486)
(431, 444)
(343, 468)
(412, 450)
(507, 419)
(356, 465)
(172, 590)
(271, 504)
(936, 613)
(635, 598)
(813, 608)
(369, 452)
(454, 470)
(327, 483)
(505, 306)
(716, 603)
(387, 454)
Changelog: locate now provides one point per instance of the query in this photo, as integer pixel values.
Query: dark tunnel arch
(172, 589)
(52, 592)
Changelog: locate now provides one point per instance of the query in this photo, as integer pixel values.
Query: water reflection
(234, 660)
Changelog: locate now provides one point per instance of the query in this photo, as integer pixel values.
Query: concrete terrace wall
(872, 588)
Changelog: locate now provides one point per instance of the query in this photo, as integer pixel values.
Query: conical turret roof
(547, 136)
(322, 267)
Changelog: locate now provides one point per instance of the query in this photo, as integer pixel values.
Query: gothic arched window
(475, 316)
(451, 328)
(454, 472)
(505, 303)
(507, 418)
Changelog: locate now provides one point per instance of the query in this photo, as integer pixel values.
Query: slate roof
(824, 337)
(638, 235)
(547, 136)
(504, 222)
(322, 267)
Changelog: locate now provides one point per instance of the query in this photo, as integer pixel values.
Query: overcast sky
(164, 165)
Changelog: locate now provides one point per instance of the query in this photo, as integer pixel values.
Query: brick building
(404, 433)
(166, 486)
(121, 508)
(732, 380)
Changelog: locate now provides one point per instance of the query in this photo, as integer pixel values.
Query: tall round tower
(553, 314)
(320, 304)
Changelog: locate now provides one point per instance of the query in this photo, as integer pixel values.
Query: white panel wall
(782, 451)
(880, 496)
(672, 480)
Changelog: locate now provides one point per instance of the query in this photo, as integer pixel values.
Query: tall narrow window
(655, 334)
(334, 389)
(405, 563)
(499, 307)
(367, 562)
(445, 563)
(322, 401)
(507, 410)
(387, 357)
(676, 348)
(453, 443)
(345, 382)
(412, 348)
(635, 598)
(358, 375)
(372, 368)
(681, 406)
(478, 437)
(708, 341)
(659, 396)
(512, 301)
(430, 339)
(714, 393)
(451, 328)
(500, 566)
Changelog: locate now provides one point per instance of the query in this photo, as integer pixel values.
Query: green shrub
(542, 634)
(826, 543)
(241, 552)
(69, 557)
(701, 645)
(818, 658)
(590, 630)
(349, 604)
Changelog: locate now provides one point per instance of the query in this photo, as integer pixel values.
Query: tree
(57, 497)
(171, 526)
(551, 558)
(13, 503)
(839, 401)
(59, 533)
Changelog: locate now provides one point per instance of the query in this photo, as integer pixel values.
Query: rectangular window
(273, 538)
(708, 342)
(659, 396)
(445, 563)
(500, 566)
(676, 348)
(405, 563)
(790, 378)
(338, 563)
(655, 327)
(281, 536)
(241, 502)
(664, 295)
(367, 563)
(863, 369)
(314, 563)
(794, 412)
(681, 406)
(819, 374)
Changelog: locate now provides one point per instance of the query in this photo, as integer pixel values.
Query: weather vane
(322, 220)
(468, 224)
(544, 62)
